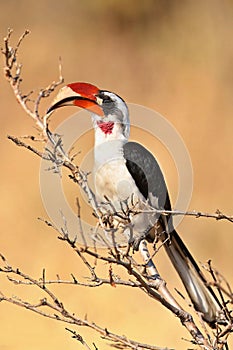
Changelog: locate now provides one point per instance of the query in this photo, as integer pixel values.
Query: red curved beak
(83, 95)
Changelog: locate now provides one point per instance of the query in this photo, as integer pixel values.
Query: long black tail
(201, 295)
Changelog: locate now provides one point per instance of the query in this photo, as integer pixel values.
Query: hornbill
(126, 170)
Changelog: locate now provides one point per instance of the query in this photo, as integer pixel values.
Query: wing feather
(147, 175)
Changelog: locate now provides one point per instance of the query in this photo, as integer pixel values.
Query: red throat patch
(106, 127)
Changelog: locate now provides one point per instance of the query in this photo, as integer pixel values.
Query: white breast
(112, 180)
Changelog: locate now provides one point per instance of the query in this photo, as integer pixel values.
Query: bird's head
(107, 108)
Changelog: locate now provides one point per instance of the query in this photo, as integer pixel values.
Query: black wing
(147, 175)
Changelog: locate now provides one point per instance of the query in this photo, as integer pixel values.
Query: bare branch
(60, 313)
(155, 288)
(20, 143)
(46, 92)
(218, 215)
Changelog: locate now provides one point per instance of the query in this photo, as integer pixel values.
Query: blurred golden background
(172, 56)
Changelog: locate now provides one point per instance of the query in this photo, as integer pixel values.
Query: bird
(126, 171)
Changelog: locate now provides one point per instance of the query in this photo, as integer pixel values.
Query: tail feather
(201, 295)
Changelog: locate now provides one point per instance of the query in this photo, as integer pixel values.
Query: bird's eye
(105, 98)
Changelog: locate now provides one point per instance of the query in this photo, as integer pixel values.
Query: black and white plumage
(124, 169)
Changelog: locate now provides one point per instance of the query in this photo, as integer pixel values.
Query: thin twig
(218, 215)
(78, 337)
